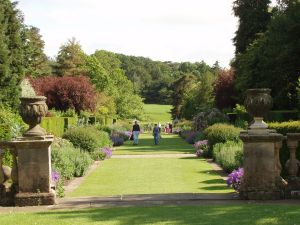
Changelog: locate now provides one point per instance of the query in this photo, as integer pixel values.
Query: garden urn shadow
(32, 109)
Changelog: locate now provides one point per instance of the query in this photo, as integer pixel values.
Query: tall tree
(199, 96)
(11, 53)
(273, 61)
(70, 59)
(36, 61)
(254, 16)
(181, 87)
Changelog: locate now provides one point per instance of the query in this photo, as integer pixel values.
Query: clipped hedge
(87, 138)
(272, 116)
(229, 155)
(220, 133)
(286, 127)
(58, 125)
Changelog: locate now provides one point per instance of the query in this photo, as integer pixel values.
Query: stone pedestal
(34, 171)
(262, 167)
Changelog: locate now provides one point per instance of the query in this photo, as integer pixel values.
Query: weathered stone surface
(32, 178)
(34, 199)
(262, 167)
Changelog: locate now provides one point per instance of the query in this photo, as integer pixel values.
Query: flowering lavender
(201, 147)
(107, 152)
(128, 133)
(117, 141)
(201, 144)
(234, 179)
(199, 152)
(55, 176)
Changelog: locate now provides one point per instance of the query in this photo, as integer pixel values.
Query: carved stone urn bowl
(258, 102)
(32, 109)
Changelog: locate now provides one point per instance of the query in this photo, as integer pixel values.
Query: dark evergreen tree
(181, 87)
(273, 61)
(11, 53)
(36, 61)
(254, 16)
(70, 59)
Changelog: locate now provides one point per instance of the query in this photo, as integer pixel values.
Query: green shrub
(69, 113)
(207, 118)
(11, 124)
(68, 161)
(62, 163)
(285, 127)
(7, 158)
(199, 137)
(87, 138)
(229, 155)
(82, 161)
(220, 133)
(283, 115)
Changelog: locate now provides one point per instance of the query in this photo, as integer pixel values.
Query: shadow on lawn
(203, 214)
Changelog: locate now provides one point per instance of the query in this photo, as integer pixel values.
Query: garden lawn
(247, 214)
(172, 144)
(157, 113)
(121, 176)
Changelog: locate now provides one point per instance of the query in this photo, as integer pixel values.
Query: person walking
(170, 128)
(135, 132)
(156, 132)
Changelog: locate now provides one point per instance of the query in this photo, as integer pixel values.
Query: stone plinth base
(261, 180)
(261, 195)
(34, 199)
(6, 196)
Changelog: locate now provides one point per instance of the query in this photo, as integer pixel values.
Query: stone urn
(258, 102)
(32, 110)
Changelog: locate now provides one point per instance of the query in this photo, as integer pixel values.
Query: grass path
(172, 144)
(125, 176)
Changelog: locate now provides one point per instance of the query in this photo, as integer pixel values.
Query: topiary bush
(204, 119)
(220, 133)
(87, 138)
(229, 155)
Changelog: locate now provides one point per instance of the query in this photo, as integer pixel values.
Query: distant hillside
(157, 113)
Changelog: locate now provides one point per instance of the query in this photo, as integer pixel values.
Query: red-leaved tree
(224, 89)
(66, 92)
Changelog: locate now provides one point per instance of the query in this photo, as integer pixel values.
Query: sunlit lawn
(151, 176)
(168, 144)
(246, 214)
(157, 113)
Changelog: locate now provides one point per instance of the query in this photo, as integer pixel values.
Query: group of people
(156, 132)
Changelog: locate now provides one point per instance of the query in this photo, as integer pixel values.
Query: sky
(165, 30)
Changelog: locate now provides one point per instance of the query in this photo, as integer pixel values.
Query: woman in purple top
(135, 132)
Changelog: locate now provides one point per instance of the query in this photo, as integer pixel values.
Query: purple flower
(234, 178)
(128, 133)
(55, 176)
(200, 144)
(199, 152)
(117, 141)
(107, 152)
